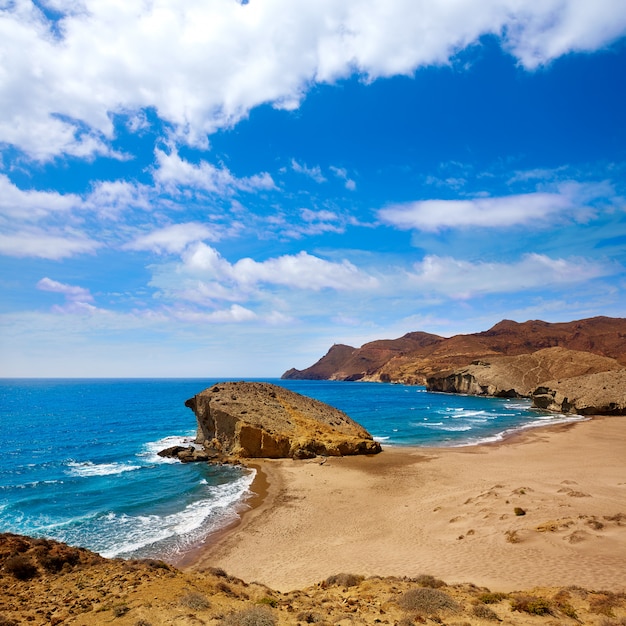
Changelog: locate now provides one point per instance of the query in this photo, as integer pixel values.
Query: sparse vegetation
(195, 601)
(604, 603)
(492, 597)
(426, 600)
(21, 566)
(484, 612)
(426, 580)
(252, 616)
(534, 605)
(344, 580)
(512, 536)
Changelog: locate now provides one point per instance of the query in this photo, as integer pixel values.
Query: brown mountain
(413, 358)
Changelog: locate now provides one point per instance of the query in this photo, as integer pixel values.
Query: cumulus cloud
(30, 205)
(464, 279)
(202, 66)
(298, 271)
(569, 202)
(172, 239)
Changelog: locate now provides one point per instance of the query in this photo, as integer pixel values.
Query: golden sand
(449, 512)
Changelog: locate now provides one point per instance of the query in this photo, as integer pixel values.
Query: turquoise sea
(79, 463)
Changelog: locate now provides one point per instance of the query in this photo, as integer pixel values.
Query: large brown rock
(519, 376)
(603, 393)
(260, 420)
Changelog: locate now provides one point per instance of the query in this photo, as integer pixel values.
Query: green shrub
(21, 567)
(518, 510)
(426, 600)
(253, 616)
(534, 605)
(273, 602)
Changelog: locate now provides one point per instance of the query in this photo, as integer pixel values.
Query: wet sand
(449, 512)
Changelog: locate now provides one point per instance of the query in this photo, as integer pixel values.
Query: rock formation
(413, 358)
(260, 420)
(519, 376)
(603, 393)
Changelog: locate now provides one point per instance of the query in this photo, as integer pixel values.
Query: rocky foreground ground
(45, 582)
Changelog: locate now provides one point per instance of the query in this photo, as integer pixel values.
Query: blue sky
(218, 188)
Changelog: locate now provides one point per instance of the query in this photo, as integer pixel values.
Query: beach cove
(547, 507)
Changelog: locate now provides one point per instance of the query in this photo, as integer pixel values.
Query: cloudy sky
(227, 188)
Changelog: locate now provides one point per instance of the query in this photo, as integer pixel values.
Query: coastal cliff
(594, 394)
(518, 376)
(260, 420)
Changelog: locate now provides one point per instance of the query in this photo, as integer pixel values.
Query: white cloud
(234, 314)
(465, 279)
(342, 173)
(314, 173)
(530, 209)
(44, 244)
(78, 299)
(299, 271)
(31, 205)
(202, 65)
(173, 172)
(172, 239)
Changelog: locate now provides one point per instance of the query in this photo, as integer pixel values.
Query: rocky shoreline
(529, 360)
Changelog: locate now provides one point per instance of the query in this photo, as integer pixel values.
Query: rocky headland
(510, 360)
(244, 420)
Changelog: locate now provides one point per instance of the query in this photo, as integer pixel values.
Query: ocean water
(79, 463)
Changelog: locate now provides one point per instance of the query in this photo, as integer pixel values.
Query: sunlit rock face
(260, 420)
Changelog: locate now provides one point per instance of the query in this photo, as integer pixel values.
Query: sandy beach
(446, 512)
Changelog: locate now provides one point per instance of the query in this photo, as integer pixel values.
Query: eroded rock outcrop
(603, 393)
(260, 420)
(519, 376)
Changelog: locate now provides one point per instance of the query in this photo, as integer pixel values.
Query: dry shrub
(195, 601)
(253, 616)
(604, 603)
(21, 567)
(484, 612)
(534, 605)
(426, 580)
(512, 536)
(492, 597)
(613, 622)
(345, 580)
(426, 600)
(5, 621)
(310, 617)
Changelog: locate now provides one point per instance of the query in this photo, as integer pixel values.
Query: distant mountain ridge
(416, 356)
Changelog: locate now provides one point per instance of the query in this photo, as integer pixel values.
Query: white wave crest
(151, 449)
(87, 468)
(181, 529)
